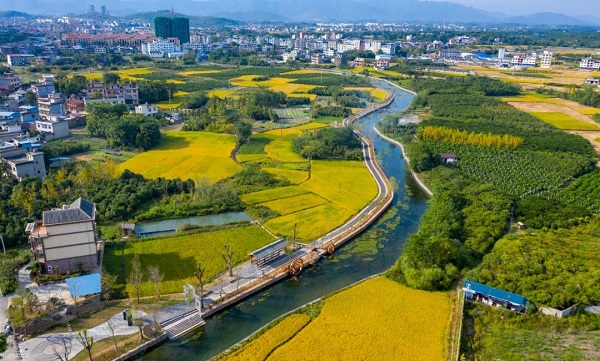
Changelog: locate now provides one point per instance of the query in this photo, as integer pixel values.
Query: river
(374, 251)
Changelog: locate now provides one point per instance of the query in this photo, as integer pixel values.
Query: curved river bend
(372, 252)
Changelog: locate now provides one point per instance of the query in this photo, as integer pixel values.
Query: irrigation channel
(372, 252)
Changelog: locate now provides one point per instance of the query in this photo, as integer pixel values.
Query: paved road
(41, 348)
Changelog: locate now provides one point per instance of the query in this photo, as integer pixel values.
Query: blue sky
(524, 7)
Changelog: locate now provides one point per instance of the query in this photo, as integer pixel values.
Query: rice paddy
(197, 72)
(378, 319)
(187, 155)
(262, 346)
(177, 256)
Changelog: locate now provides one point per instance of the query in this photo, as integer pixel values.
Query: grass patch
(103, 350)
(291, 113)
(187, 155)
(563, 121)
(378, 319)
(177, 256)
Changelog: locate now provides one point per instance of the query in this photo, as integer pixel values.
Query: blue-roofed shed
(84, 285)
(474, 290)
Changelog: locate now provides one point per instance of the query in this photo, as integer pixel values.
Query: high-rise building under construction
(172, 27)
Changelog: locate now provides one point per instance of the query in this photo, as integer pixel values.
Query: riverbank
(416, 176)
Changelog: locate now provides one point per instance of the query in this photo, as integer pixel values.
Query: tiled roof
(80, 210)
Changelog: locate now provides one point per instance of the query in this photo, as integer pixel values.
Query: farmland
(336, 190)
(261, 347)
(378, 319)
(563, 121)
(187, 155)
(177, 256)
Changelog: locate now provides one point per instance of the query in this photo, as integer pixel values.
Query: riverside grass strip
(378, 319)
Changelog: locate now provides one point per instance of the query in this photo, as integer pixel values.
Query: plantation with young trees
(509, 163)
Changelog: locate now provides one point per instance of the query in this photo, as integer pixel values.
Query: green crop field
(294, 113)
(187, 155)
(177, 256)
(564, 121)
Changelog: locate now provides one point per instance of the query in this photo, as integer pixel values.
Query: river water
(374, 251)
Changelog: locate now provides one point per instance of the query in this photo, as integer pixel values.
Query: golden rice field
(272, 194)
(304, 88)
(378, 319)
(336, 190)
(175, 81)
(248, 82)
(564, 121)
(198, 72)
(292, 175)
(305, 71)
(93, 76)
(187, 155)
(262, 346)
(177, 256)
(130, 74)
(346, 185)
(296, 203)
(221, 93)
(378, 95)
(312, 97)
(539, 98)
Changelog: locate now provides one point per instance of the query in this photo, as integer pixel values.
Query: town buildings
(146, 109)
(65, 239)
(160, 48)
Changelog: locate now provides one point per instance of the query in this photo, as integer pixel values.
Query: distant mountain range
(308, 10)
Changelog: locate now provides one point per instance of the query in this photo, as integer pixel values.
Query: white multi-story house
(54, 126)
(389, 48)
(546, 59)
(65, 239)
(146, 109)
(160, 48)
(589, 63)
(525, 60)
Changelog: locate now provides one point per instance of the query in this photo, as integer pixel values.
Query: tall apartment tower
(103, 10)
(91, 9)
(172, 27)
(546, 61)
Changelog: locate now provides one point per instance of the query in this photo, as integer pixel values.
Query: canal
(374, 251)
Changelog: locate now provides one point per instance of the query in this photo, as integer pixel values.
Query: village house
(65, 239)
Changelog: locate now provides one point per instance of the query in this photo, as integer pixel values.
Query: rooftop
(80, 210)
(271, 248)
(84, 285)
(495, 293)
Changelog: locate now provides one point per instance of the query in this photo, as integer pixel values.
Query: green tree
(136, 275)
(86, 341)
(242, 131)
(195, 100)
(109, 79)
(29, 98)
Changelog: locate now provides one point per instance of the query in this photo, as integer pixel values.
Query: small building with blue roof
(492, 296)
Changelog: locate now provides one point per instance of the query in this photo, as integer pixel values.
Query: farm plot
(291, 113)
(187, 155)
(177, 256)
(296, 203)
(263, 345)
(343, 188)
(563, 121)
(378, 319)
